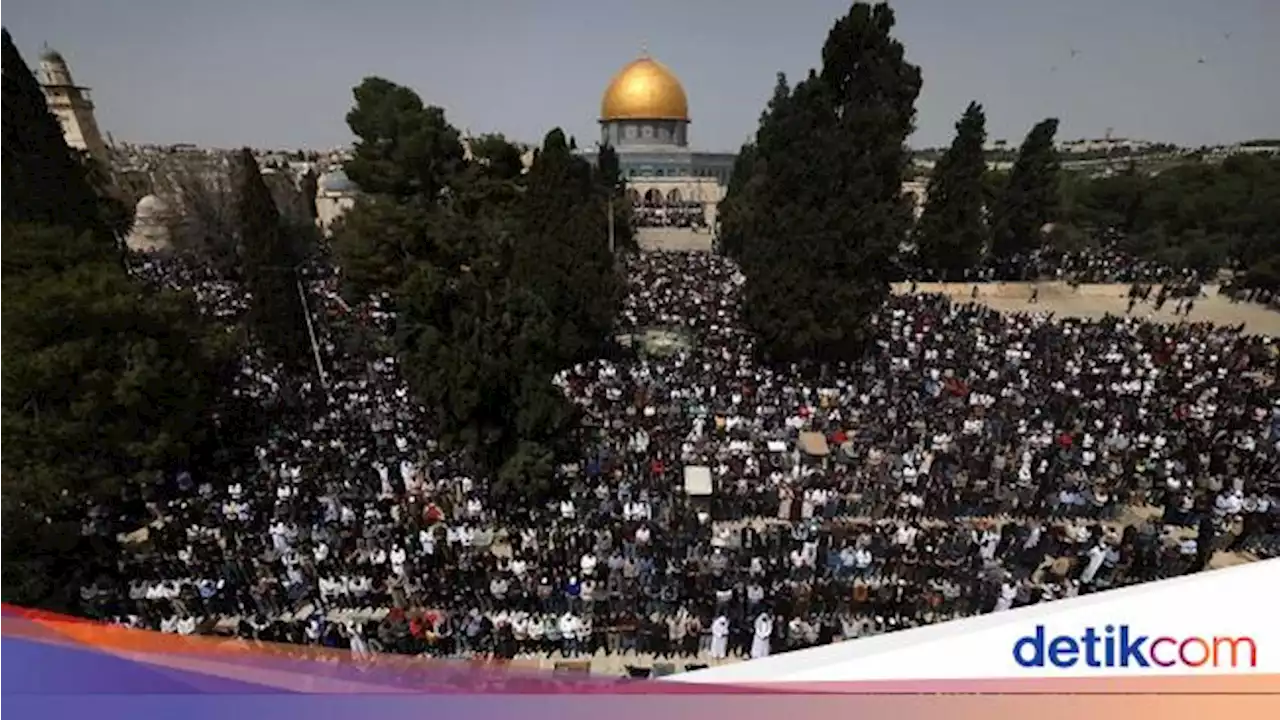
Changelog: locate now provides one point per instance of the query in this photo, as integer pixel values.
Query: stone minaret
(70, 103)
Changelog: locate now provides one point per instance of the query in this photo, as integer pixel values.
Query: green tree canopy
(500, 159)
(735, 209)
(952, 231)
(828, 214)
(614, 186)
(562, 254)
(404, 149)
(309, 186)
(1029, 198)
(406, 156)
(272, 260)
(498, 276)
(106, 382)
(1195, 214)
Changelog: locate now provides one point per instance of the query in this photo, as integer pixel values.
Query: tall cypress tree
(442, 236)
(952, 231)
(309, 186)
(744, 193)
(735, 209)
(43, 180)
(562, 253)
(1030, 196)
(106, 382)
(271, 266)
(830, 215)
(614, 186)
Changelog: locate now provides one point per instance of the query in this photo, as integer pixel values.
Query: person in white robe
(720, 638)
(359, 648)
(1096, 555)
(764, 630)
(1008, 593)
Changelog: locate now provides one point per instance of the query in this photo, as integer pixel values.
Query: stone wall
(673, 239)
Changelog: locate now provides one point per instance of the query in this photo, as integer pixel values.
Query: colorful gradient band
(56, 666)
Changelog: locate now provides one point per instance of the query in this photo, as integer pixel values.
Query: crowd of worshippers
(973, 462)
(1107, 264)
(675, 214)
(1239, 292)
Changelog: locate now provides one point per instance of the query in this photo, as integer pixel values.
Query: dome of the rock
(644, 90)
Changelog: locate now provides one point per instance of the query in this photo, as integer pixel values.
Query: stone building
(153, 221)
(72, 106)
(335, 195)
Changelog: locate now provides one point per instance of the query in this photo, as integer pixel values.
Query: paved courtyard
(1095, 301)
(673, 239)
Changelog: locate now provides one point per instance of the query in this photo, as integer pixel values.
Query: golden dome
(644, 90)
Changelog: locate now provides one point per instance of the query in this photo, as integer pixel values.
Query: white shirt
(568, 625)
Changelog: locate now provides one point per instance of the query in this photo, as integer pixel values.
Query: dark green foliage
(1196, 214)
(377, 243)
(1030, 196)
(497, 281)
(104, 384)
(993, 184)
(500, 159)
(735, 209)
(91, 354)
(826, 213)
(309, 186)
(609, 168)
(1106, 207)
(614, 186)
(952, 232)
(405, 149)
(406, 156)
(476, 347)
(743, 195)
(271, 262)
(562, 255)
(495, 178)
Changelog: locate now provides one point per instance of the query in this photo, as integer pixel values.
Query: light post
(612, 237)
(311, 331)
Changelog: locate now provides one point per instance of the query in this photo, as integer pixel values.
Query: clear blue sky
(278, 73)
